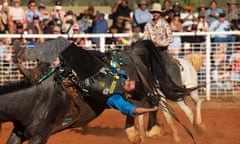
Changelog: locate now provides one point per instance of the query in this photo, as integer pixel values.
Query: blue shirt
(30, 14)
(3, 52)
(208, 12)
(223, 27)
(142, 16)
(100, 26)
(116, 101)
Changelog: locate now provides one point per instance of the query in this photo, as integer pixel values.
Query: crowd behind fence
(220, 60)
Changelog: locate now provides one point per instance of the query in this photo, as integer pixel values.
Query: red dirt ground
(222, 119)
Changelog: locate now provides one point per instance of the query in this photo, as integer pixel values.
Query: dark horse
(38, 111)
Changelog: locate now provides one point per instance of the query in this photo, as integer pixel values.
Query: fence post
(102, 44)
(208, 66)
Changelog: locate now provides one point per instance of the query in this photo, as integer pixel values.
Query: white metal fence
(215, 72)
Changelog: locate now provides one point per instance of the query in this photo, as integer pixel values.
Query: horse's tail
(196, 60)
(158, 67)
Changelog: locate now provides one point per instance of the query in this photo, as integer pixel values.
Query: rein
(45, 76)
(70, 88)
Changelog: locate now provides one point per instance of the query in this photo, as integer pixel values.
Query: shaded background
(195, 3)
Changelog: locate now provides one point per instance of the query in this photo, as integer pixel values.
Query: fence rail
(227, 86)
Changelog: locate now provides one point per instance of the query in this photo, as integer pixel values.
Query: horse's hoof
(155, 132)
(200, 128)
(133, 135)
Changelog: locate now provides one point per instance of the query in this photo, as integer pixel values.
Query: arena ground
(221, 116)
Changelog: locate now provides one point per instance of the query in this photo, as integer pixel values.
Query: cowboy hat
(142, 2)
(232, 2)
(156, 7)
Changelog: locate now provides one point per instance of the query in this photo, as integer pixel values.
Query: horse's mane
(156, 66)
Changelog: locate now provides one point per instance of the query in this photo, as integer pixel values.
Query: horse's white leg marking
(168, 117)
(189, 79)
(198, 102)
(169, 120)
(186, 109)
(141, 127)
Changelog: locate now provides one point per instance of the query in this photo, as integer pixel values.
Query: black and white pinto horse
(38, 111)
(189, 67)
(189, 77)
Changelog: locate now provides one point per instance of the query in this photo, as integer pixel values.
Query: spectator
(35, 25)
(35, 28)
(187, 17)
(212, 12)
(3, 50)
(142, 14)
(176, 26)
(202, 24)
(100, 26)
(176, 7)
(85, 23)
(167, 6)
(17, 15)
(167, 9)
(2, 3)
(75, 30)
(201, 10)
(113, 41)
(235, 68)
(58, 13)
(219, 56)
(56, 30)
(44, 13)
(232, 10)
(68, 21)
(221, 77)
(169, 14)
(193, 38)
(47, 26)
(121, 8)
(221, 25)
(91, 13)
(236, 26)
(31, 11)
(193, 27)
(4, 17)
(128, 30)
(19, 30)
(119, 24)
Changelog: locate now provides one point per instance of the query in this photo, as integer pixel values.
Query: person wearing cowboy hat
(142, 14)
(159, 32)
(232, 10)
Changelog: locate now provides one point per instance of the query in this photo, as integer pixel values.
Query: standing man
(142, 14)
(122, 9)
(159, 31)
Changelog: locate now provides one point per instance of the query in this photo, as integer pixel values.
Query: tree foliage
(193, 3)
